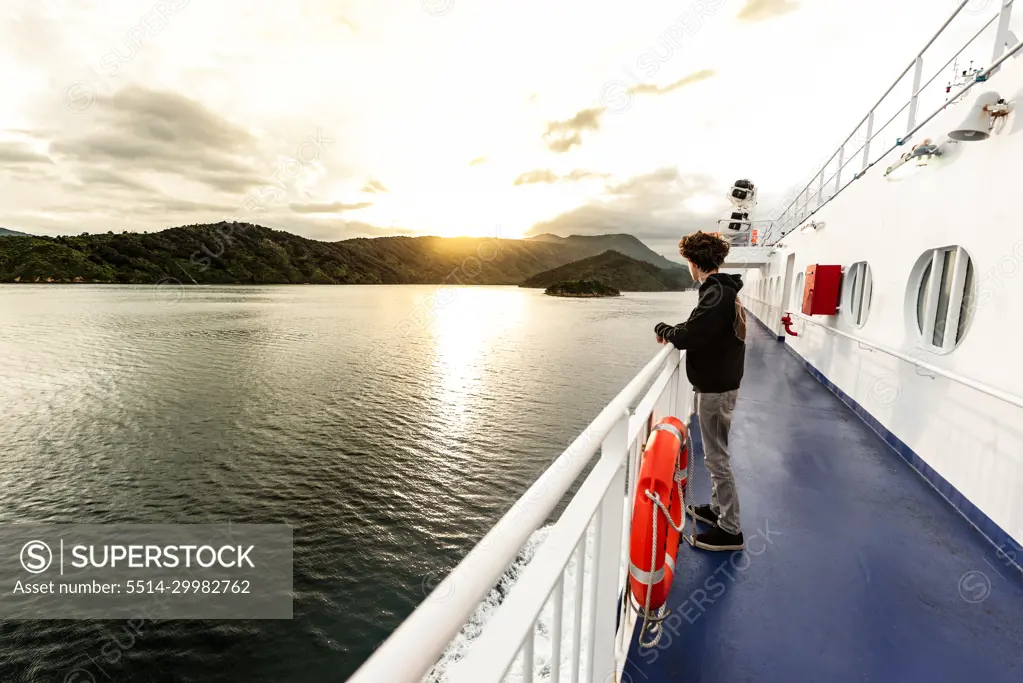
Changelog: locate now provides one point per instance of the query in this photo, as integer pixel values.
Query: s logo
(36, 557)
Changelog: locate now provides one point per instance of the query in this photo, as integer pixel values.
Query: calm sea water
(390, 426)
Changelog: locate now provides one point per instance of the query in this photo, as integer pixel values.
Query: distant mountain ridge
(243, 253)
(616, 270)
(623, 243)
(4, 232)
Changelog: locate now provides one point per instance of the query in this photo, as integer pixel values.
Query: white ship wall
(971, 197)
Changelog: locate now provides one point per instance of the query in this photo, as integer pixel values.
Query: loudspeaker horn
(977, 125)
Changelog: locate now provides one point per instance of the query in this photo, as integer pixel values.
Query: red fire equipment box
(821, 288)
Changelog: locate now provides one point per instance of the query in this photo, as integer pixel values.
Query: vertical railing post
(577, 621)
(820, 189)
(838, 173)
(673, 392)
(632, 472)
(528, 654)
(918, 73)
(607, 557)
(557, 629)
(682, 412)
(866, 145)
(1002, 30)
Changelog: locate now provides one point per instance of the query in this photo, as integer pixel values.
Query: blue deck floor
(855, 569)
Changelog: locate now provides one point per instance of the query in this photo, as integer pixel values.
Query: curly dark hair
(707, 251)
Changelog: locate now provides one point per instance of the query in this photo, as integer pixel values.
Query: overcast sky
(343, 118)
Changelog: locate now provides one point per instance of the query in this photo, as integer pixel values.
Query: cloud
(653, 89)
(14, 153)
(170, 205)
(562, 144)
(232, 183)
(587, 119)
(656, 181)
(373, 186)
(147, 130)
(561, 136)
(109, 178)
(580, 174)
(650, 206)
(330, 207)
(538, 176)
(543, 175)
(762, 10)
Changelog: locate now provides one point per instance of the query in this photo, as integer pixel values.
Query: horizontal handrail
(646, 405)
(966, 381)
(761, 301)
(495, 650)
(417, 644)
(981, 78)
(953, 57)
(785, 217)
(498, 645)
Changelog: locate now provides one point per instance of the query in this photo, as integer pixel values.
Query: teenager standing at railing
(714, 338)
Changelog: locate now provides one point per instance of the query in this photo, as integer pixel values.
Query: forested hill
(242, 253)
(618, 271)
(630, 245)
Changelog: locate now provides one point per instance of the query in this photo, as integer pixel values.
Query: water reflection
(388, 439)
(466, 324)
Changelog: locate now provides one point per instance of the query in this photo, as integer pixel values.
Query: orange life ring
(665, 457)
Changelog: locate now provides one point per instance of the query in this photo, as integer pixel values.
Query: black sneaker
(703, 513)
(717, 539)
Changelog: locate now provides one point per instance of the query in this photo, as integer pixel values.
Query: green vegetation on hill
(618, 271)
(622, 243)
(581, 288)
(242, 253)
(4, 232)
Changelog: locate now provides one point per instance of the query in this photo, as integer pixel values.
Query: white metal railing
(745, 238)
(799, 209)
(961, 379)
(775, 307)
(601, 509)
(772, 324)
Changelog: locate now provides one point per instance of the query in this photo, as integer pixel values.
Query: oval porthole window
(942, 290)
(797, 292)
(857, 289)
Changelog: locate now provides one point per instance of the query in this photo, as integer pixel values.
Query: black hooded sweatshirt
(714, 336)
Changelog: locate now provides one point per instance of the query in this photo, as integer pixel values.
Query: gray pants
(715, 412)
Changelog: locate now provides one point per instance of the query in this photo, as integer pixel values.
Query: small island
(581, 288)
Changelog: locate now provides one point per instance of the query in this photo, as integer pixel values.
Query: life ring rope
(652, 622)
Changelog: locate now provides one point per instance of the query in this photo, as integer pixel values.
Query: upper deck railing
(827, 182)
(592, 529)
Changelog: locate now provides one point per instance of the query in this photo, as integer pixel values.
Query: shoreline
(585, 296)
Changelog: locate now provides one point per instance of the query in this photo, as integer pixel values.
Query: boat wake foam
(543, 634)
